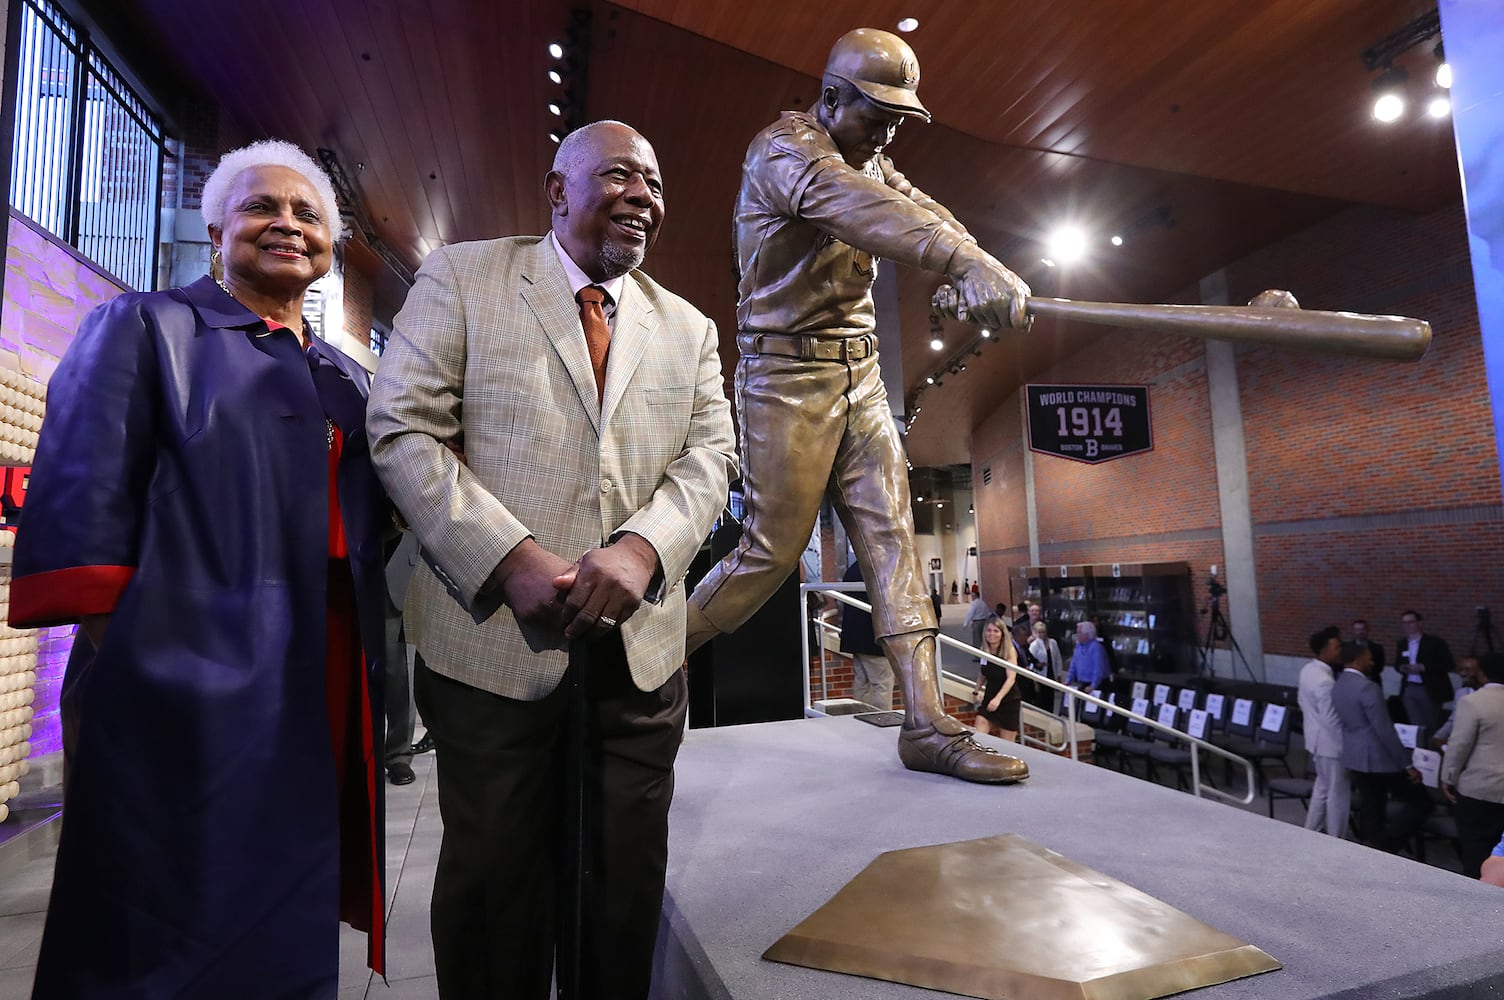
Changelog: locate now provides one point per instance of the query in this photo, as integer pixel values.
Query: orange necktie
(597, 333)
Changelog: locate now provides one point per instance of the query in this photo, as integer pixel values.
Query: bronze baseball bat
(1273, 318)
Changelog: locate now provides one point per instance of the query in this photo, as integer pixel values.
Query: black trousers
(1374, 791)
(1480, 824)
(502, 897)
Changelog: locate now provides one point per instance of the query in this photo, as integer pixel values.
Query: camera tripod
(1483, 634)
(1218, 630)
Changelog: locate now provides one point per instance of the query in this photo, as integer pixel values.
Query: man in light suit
(1331, 795)
(590, 475)
(1472, 774)
(1372, 751)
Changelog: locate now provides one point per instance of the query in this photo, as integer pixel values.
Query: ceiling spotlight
(556, 50)
(1390, 88)
(556, 109)
(936, 344)
(556, 75)
(1066, 244)
(939, 504)
(1117, 241)
(1439, 106)
(919, 499)
(986, 334)
(930, 380)
(557, 135)
(1047, 262)
(970, 509)
(1444, 70)
(908, 24)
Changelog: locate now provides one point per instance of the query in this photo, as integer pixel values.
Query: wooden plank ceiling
(1200, 129)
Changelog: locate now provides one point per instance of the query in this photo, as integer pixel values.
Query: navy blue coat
(181, 485)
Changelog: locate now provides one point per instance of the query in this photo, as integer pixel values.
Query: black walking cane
(571, 975)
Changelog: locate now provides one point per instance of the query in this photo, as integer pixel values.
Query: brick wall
(357, 302)
(1002, 517)
(199, 150)
(1373, 486)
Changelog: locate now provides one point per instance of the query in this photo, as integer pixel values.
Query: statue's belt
(808, 346)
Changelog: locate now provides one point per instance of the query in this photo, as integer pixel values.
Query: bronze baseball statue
(819, 203)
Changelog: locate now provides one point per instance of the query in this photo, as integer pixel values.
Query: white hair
(567, 156)
(1087, 629)
(270, 153)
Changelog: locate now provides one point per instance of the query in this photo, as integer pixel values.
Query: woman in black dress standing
(998, 707)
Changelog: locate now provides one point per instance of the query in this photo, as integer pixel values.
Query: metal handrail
(1196, 744)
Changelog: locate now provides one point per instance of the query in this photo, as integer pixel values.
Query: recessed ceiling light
(555, 135)
(1067, 244)
(555, 110)
(1439, 107)
(1444, 76)
(1047, 262)
(556, 50)
(1390, 88)
(1388, 107)
(930, 380)
(556, 76)
(908, 24)
(936, 344)
(1117, 241)
(986, 334)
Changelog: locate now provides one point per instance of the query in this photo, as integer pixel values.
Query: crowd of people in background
(1456, 706)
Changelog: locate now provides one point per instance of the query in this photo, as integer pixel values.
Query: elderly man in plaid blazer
(551, 424)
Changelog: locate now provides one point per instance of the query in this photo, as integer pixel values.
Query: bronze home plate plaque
(1006, 919)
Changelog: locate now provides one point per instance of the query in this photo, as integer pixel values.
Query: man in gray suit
(598, 447)
(1372, 751)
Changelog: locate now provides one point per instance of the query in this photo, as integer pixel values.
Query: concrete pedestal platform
(770, 821)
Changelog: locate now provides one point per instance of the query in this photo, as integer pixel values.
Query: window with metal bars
(87, 160)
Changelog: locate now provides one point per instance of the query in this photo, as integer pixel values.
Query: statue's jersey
(810, 228)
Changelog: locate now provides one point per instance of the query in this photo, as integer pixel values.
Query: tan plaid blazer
(488, 353)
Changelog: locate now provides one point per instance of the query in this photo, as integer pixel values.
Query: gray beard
(619, 260)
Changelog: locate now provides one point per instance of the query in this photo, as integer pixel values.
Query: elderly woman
(203, 504)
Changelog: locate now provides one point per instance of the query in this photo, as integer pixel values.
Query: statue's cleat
(946, 747)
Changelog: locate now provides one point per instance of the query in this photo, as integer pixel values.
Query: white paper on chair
(1161, 693)
(1214, 705)
(1140, 690)
(1274, 717)
(1428, 763)
(1167, 715)
(1141, 706)
(1242, 711)
(1407, 734)
(1197, 727)
(1187, 699)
